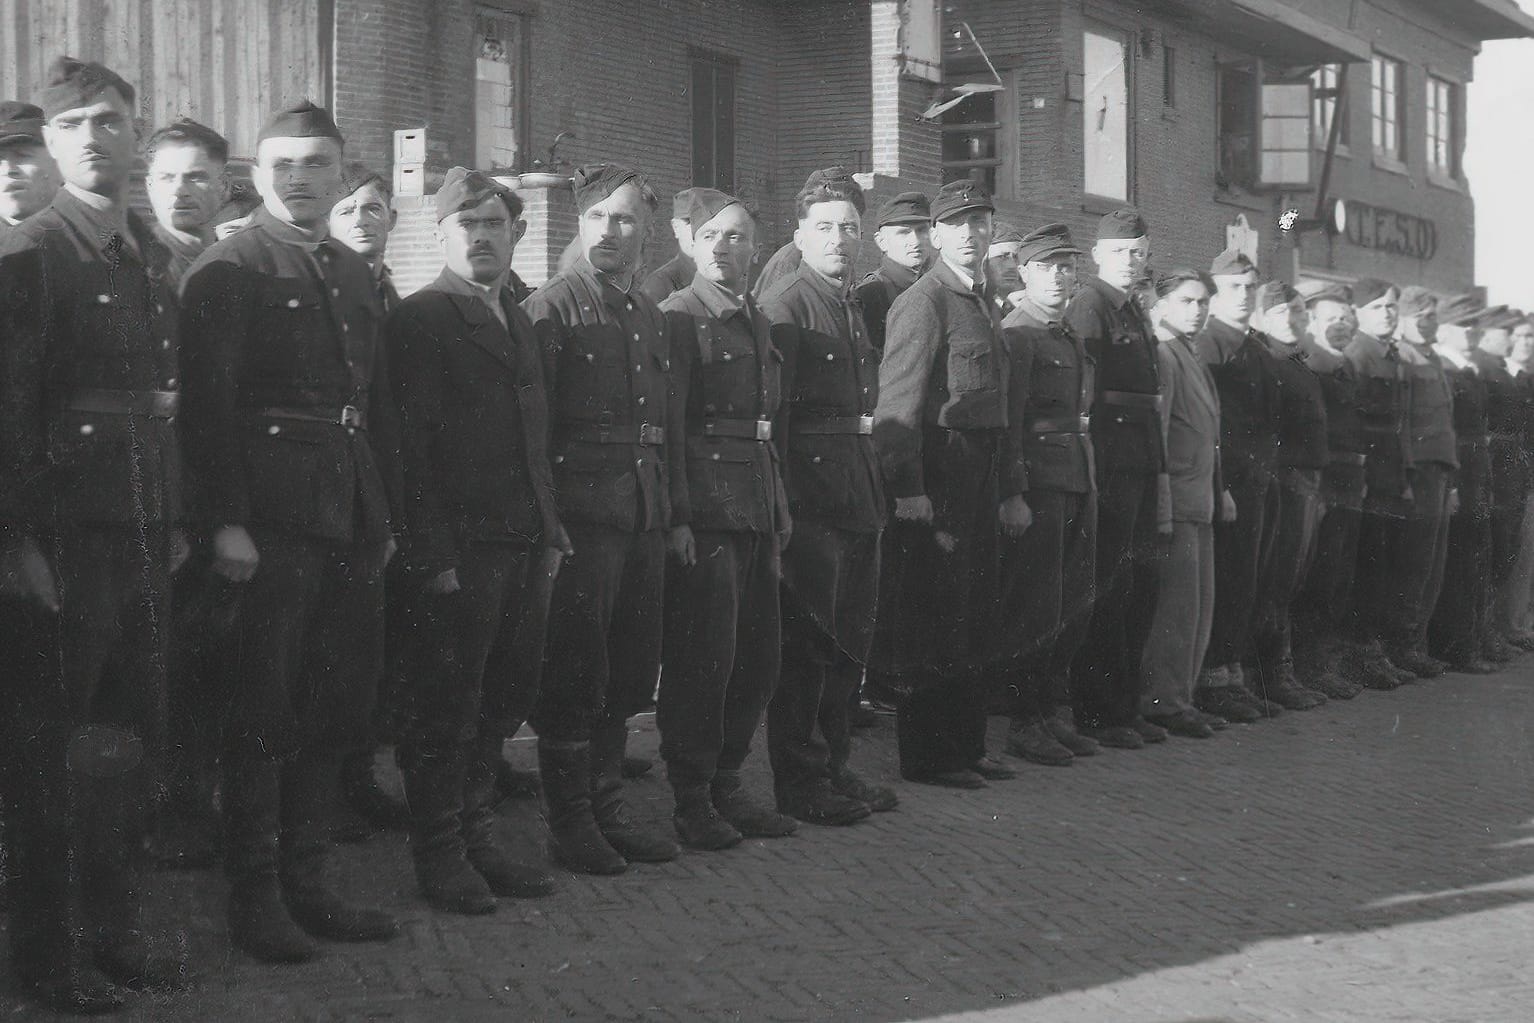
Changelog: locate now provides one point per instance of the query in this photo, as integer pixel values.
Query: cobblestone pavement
(1371, 860)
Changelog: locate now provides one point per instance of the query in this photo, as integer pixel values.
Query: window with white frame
(1105, 112)
(1326, 80)
(500, 89)
(1388, 107)
(1442, 150)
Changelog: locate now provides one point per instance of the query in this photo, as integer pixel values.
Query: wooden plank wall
(226, 63)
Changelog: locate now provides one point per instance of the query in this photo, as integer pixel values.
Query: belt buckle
(764, 429)
(1084, 422)
(865, 424)
(351, 416)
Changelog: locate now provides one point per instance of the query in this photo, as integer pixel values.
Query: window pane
(1105, 124)
(497, 47)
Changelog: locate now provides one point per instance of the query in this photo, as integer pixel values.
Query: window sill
(1445, 182)
(1242, 200)
(1342, 151)
(1101, 204)
(1391, 164)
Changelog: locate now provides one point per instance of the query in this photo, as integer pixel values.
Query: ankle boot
(574, 839)
(697, 823)
(305, 848)
(259, 924)
(505, 875)
(434, 790)
(1061, 724)
(634, 843)
(753, 819)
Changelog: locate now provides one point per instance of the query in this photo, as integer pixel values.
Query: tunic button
(715, 456)
(639, 369)
(816, 459)
(865, 390)
(830, 356)
(345, 327)
(335, 292)
(641, 399)
(171, 382)
(727, 356)
(87, 429)
(636, 337)
(590, 357)
(104, 299)
(292, 303)
(158, 308)
(638, 463)
(274, 429)
(165, 342)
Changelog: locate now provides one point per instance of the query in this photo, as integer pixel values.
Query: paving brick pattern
(1371, 860)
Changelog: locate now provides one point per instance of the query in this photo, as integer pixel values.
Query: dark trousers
(1047, 587)
(831, 584)
(1326, 605)
(1461, 624)
(720, 658)
(473, 657)
(84, 692)
(1106, 674)
(1241, 549)
(204, 614)
(1401, 563)
(604, 637)
(310, 646)
(1295, 534)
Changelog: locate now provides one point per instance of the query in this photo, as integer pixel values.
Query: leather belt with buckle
(617, 433)
(862, 425)
(1354, 458)
(749, 429)
(1133, 399)
(1074, 424)
(349, 416)
(154, 404)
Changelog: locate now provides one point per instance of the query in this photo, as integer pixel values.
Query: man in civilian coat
(607, 360)
(89, 498)
(729, 521)
(291, 445)
(480, 529)
(1131, 482)
(939, 427)
(824, 436)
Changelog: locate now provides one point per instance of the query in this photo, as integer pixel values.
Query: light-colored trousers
(1179, 633)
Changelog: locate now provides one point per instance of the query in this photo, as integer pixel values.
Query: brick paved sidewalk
(1371, 860)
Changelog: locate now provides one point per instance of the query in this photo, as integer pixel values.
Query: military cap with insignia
(1122, 223)
(594, 182)
(301, 120)
(906, 208)
(76, 83)
(1231, 263)
(1004, 232)
(1274, 293)
(707, 203)
(1046, 242)
(463, 189)
(681, 203)
(1417, 300)
(832, 184)
(1461, 309)
(20, 123)
(1372, 289)
(960, 197)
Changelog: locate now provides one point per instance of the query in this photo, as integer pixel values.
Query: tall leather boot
(305, 860)
(49, 951)
(434, 790)
(575, 841)
(505, 875)
(259, 924)
(110, 777)
(632, 842)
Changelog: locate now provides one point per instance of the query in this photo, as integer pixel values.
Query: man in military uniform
(904, 239)
(607, 356)
(28, 176)
(362, 220)
(938, 428)
(678, 271)
(824, 435)
(89, 473)
(479, 529)
(729, 521)
(1131, 483)
(186, 178)
(291, 444)
(1047, 573)
(1003, 267)
(1460, 631)
(786, 260)
(1302, 456)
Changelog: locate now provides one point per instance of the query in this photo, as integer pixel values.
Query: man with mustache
(938, 428)
(729, 518)
(786, 260)
(28, 176)
(607, 359)
(824, 435)
(89, 473)
(291, 441)
(480, 536)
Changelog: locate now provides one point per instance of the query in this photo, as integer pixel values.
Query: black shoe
(1061, 726)
(819, 803)
(991, 769)
(575, 841)
(751, 818)
(1031, 740)
(1334, 686)
(1185, 723)
(879, 798)
(960, 779)
(699, 825)
(132, 960)
(1416, 662)
(1116, 737)
(508, 877)
(325, 914)
(261, 927)
(449, 884)
(1225, 702)
(1214, 721)
(1149, 732)
(1293, 696)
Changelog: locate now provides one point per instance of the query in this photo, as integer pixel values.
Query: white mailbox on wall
(410, 161)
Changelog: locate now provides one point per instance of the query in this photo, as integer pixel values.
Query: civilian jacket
(473, 424)
(82, 313)
(830, 372)
(1125, 437)
(1049, 394)
(1246, 376)
(878, 292)
(606, 358)
(282, 343)
(1190, 421)
(726, 377)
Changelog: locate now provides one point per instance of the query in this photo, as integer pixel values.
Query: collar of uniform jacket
(1035, 315)
(601, 285)
(452, 284)
(1117, 297)
(956, 280)
(900, 276)
(721, 305)
(839, 291)
(286, 233)
(98, 226)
